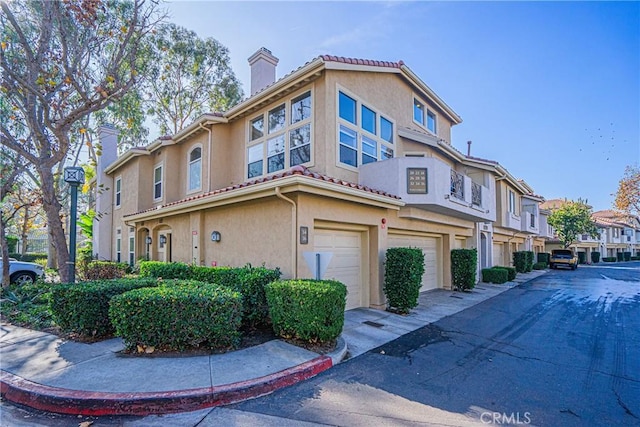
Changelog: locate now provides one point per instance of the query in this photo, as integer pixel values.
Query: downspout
(294, 228)
(209, 163)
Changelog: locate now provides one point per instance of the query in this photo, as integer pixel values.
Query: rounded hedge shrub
(310, 310)
(403, 278)
(595, 257)
(511, 272)
(494, 275)
(539, 265)
(178, 317)
(165, 270)
(83, 307)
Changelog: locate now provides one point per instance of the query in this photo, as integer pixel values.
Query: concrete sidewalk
(45, 372)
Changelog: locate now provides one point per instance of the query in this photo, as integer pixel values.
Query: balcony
(529, 222)
(430, 184)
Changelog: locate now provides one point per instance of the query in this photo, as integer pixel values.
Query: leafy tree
(572, 219)
(189, 76)
(62, 61)
(11, 166)
(628, 194)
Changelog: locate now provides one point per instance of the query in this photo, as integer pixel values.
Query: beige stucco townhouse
(335, 162)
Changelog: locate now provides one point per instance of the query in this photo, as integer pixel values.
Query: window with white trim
(118, 244)
(157, 183)
(118, 192)
(362, 138)
(286, 141)
(513, 207)
(195, 169)
(424, 116)
(132, 252)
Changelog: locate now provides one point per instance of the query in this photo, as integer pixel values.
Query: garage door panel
(429, 246)
(498, 254)
(346, 262)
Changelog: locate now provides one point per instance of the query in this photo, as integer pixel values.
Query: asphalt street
(561, 350)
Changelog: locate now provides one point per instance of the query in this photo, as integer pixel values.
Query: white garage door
(498, 254)
(429, 246)
(345, 265)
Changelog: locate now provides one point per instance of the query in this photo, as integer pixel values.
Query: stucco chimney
(102, 224)
(263, 69)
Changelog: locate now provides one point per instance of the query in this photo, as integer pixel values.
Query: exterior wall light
(148, 240)
(163, 240)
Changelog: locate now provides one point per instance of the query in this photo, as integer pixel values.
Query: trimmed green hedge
(539, 266)
(165, 270)
(463, 268)
(635, 258)
(102, 270)
(310, 310)
(83, 307)
(403, 278)
(620, 256)
(595, 257)
(582, 257)
(609, 259)
(494, 275)
(511, 272)
(627, 256)
(544, 257)
(249, 281)
(185, 315)
(523, 261)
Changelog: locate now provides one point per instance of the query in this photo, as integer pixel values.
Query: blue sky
(551, 90)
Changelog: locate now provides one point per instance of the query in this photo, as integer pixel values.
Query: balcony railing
(476, 194)
(457, 185)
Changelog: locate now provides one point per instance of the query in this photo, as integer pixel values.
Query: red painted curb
(76, 402)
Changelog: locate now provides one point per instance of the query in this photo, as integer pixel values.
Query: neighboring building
(622, 232)
(342, 156)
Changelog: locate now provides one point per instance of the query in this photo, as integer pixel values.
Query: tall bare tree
(62, 61)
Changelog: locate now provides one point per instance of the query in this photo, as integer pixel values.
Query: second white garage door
(498, 254)
(430, 249)
(346, 263)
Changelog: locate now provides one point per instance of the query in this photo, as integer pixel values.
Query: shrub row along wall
(249, 281)
(494, 275)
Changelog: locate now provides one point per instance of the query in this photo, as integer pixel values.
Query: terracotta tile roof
(358, 61)
(482, 160)
(296, 170)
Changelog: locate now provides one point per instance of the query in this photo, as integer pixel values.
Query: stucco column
(448, 243)
(378, 249)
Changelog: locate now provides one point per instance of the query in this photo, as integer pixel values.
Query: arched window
(195, 169)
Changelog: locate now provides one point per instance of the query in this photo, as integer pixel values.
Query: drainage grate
(455, 296)
(374, 324)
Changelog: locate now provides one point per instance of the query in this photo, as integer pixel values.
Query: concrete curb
(76, 402)
(340, 352)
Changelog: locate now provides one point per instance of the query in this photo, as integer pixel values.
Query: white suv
(23, 272)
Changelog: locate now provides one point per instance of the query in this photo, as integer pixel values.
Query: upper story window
(423, 116)
(287, 141)
(118, 192)
(362, 139)
(347, 108)
(513, 207)
(195, 169)
(157, 183)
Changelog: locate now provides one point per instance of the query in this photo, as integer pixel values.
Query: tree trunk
(25, 223)
(5, 253)
(52, 209)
